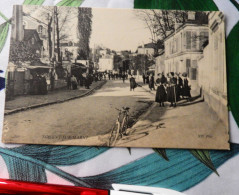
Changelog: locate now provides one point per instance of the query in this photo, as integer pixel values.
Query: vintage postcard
(117, 78)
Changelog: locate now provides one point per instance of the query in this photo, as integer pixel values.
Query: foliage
(141, 63)
(84, 32)
(161, 152)
(204, 157)
(20, 52)
(33, 2)
(72, 3)
(117, 61)
(3, 34)
(161, 23)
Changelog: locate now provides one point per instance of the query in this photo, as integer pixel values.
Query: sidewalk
(21, 103)
(190, 125)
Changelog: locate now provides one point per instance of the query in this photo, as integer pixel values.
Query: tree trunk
(49, 38)
(58, 39)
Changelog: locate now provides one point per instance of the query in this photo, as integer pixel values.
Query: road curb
(54, 102)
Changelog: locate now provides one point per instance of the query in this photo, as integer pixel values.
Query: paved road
(83, 117)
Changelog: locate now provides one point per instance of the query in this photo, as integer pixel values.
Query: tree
(61, 15)
(117, 62)
(84, 32)
(21, 52)
(161, 23)
(141, 63)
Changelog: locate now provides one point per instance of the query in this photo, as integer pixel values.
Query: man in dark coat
(179, 86)
(151, 82)
(144, 78)
(87, 81)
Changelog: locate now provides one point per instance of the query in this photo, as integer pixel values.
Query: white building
(69, 50)
(212, 67)
(30, 23)
(184, 47)
(159, 63)
(147, 49)
(106, 63)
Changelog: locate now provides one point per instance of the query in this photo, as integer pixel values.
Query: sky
(118, 29)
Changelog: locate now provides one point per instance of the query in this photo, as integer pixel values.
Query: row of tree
(57, 21)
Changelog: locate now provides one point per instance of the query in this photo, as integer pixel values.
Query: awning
(78, 65)
(39, 67)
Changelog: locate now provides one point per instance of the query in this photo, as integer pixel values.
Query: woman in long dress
(186, 87)
(161, 95)
(171, 90)
(132, 83)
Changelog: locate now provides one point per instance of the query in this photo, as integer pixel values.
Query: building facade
(106, 64)
(147, 49)
(69, 50)
(159, 63)
(212, 67)
(184, 47)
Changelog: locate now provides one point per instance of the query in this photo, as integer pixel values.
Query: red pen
(20, 188)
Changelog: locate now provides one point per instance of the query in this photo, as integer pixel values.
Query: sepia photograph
(117, 78)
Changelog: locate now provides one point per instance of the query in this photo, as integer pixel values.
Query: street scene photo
(116, 78)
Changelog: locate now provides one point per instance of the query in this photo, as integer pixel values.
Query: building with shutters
(184, 47)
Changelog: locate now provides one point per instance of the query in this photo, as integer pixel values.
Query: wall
(106, 64)
(212, 68)
(160, 65)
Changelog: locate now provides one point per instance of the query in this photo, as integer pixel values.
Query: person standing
(132, 83)
(87, 81)
(147, 79)
(151, 82)
(52, 80)
(171, 90)
(161, 95)
(68, 81)
(123, 77)
(186, 87)
(179, 86)
(74, 82)
(144, 78)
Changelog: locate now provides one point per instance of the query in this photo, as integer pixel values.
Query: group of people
(171, 88)
(114, 76)
(38, 85)
(73, 82)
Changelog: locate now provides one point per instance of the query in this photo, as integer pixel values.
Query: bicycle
(120, 126)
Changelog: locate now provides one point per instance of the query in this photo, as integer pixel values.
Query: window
(40, 29)
(188, 65)
(216, 43)
(203, 37)
(188, 40)
(194, 63)
(194, 40)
